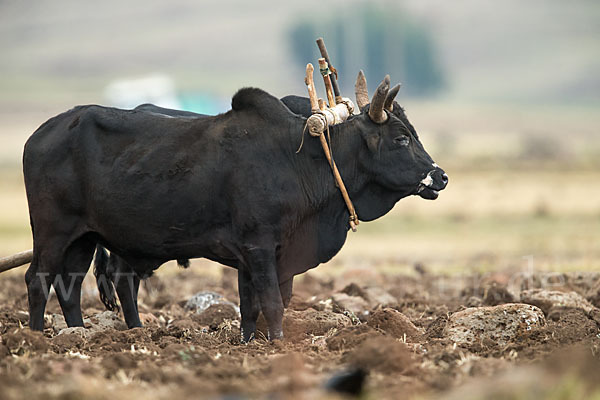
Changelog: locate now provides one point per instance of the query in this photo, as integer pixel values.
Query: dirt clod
(395, 324)
(381, 354)
(216, 314)
(350, 337)
(569, 325)
(21, 341)
(299, 325)
(67, 341)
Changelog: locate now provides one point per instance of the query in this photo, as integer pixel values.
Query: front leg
(249, 304)
(263, 271)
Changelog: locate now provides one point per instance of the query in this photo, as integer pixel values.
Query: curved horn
(376, 111)
(360, 90)
(389, 100)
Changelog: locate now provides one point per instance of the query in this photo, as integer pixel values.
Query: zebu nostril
(445, 178)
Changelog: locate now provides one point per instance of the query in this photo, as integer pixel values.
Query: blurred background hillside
(505, 97)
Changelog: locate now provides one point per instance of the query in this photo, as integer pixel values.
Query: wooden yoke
(310, 85)
(321, 104)
(319, 122)
(338, 178)
(322, 117)
(324, 68)
(334, 84)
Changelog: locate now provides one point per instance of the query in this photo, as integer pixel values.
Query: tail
(104, 280)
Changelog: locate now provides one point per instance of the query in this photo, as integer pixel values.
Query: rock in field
(58, 322)
(107, 319)
(548, 299)
(376, 296)
(355, 304)
(96, 323)
(202, 300)
(360, 300)
(593, 294)
(493, 326)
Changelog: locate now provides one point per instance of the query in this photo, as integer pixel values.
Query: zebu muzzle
(431, 185)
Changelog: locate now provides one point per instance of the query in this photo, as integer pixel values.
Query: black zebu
(112, 272)
(230, 188)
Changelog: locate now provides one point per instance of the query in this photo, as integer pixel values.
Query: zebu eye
(402, 140)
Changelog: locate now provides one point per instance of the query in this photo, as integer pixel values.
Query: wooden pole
(321, 104)
(310, 85)
(338, 178)
(338, 111)
(16, 260)
(324, 68)
(334, 84)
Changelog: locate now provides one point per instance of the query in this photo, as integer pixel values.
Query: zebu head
(395, 158)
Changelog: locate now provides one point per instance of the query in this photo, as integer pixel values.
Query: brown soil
(401, 346)
(395, 324)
